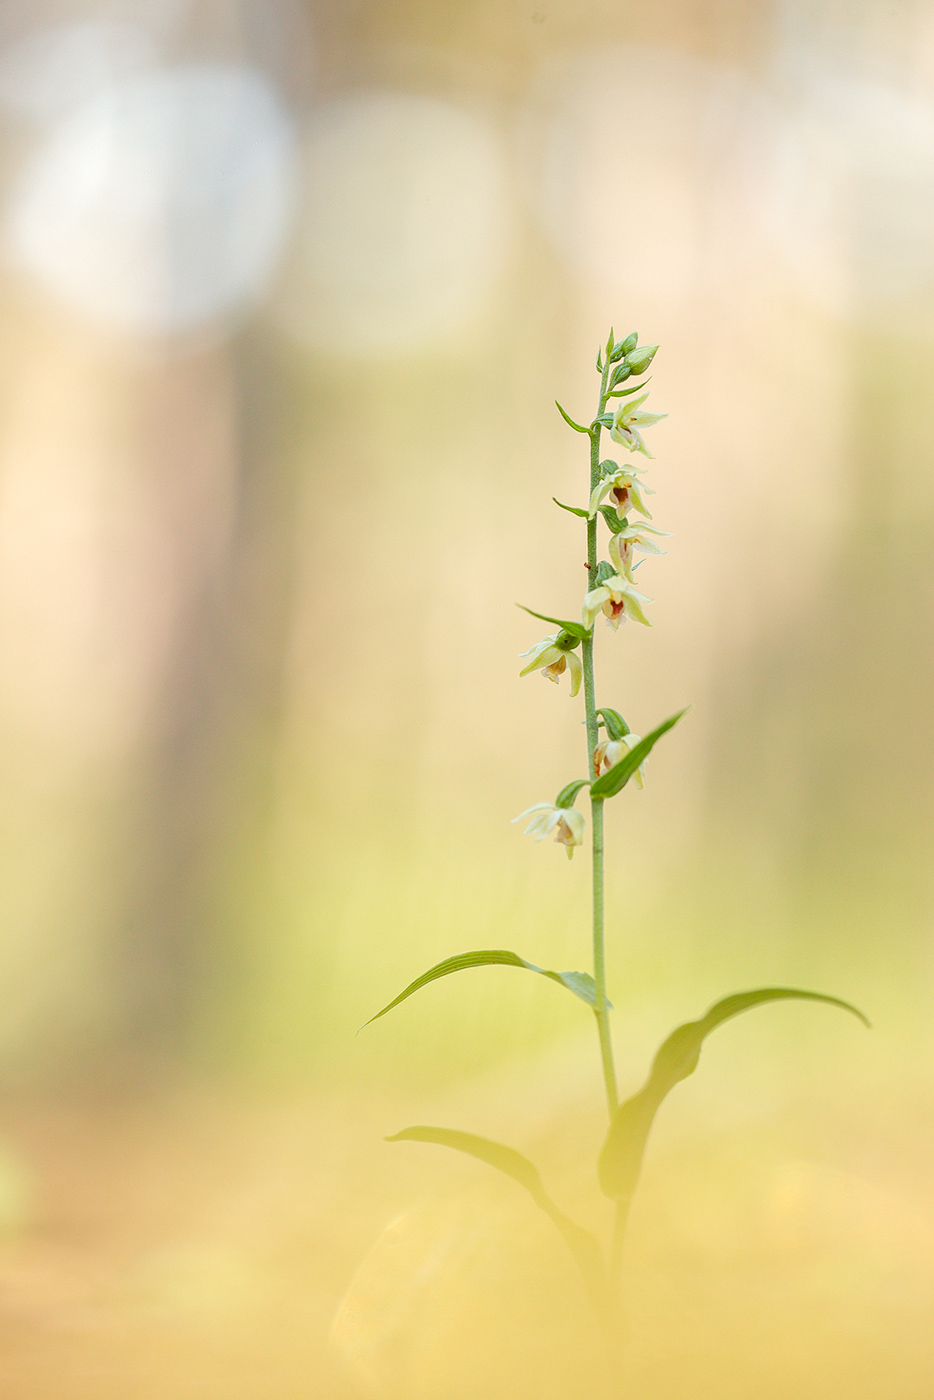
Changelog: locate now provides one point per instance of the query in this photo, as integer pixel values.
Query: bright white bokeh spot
(163, 202)
(405, 225)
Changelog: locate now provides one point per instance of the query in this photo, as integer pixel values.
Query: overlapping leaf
(512, 1163)
(618, 776)
(677, 1057)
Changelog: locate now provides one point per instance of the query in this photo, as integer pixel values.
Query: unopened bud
(629, 343)
(640, 359)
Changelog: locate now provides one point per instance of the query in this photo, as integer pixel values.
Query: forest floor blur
(202, 1245)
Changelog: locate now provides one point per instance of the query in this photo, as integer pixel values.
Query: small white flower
(617, 598)
(553, 660)
(633, 537)
(566, 822)
(625, 491)
(628, 419)
(609, 752)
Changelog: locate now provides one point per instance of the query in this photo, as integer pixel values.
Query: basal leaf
(512, 1163)
(575, 510)
(580, 983)
(570, 421)
(618, 776)
(677, 1057)
(576, 629)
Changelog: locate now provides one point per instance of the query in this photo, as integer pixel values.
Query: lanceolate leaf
(625, 393)
(570, 421)
(576, 629)
(575, 510)
(580, 983)
(621, 1157)
(505, 1159)
(568, 793)
(616, 779)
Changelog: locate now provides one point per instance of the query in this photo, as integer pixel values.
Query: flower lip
(619, 599)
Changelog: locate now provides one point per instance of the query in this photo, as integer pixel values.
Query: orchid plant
(616, 498)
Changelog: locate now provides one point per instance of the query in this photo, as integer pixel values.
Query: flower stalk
(601, 1010)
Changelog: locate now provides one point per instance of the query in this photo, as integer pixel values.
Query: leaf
(512, 1163)
(570, 421)
(575, 510)
(613, 520)
(621, 1157)
(616, 726)
(569, 792)
(580, 983)
(616, 779)
(576, 629)
(624, 393)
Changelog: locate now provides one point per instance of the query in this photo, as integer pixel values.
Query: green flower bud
(629, 343)
(639, 360)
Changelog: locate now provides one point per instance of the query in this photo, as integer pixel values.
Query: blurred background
(288, 291)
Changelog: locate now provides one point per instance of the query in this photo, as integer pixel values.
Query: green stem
(596, 804)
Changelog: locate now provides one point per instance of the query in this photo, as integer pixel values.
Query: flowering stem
(596, 804)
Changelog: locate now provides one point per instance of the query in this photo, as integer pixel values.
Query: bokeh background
(288, 291)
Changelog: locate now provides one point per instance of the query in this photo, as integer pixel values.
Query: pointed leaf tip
(570, 421)
(618, 776)
(576, 629)
(576, 982)
(677, 1057)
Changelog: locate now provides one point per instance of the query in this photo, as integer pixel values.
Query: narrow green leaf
(569, 792)
(616, 726)
(580, 983)
(624, 393)
(575, 510)
(576, 629)
(616, 779)
(621, 1157)
(512, 1163)
(570, 421)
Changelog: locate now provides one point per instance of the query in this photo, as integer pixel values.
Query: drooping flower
(624, 489)
(628, 419)
(553, 656)
(609, 752)
(618, 598)
(566, 822)
(633, 537)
